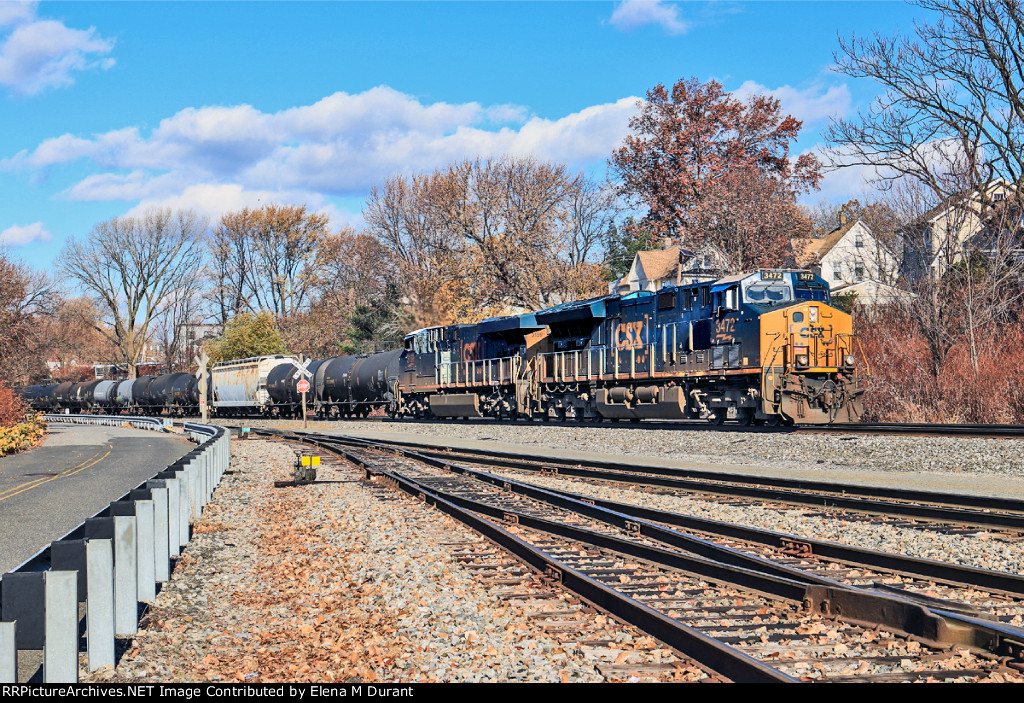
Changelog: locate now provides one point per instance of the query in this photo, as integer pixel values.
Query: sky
(111, 108)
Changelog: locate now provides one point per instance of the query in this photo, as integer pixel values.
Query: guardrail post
(8, 653)
(69, 555)
(173, 517)
(161, 556)
(146, 550)
(60, 651)
(126, 591)
(99, 603)
(23, 602)
(185, 505)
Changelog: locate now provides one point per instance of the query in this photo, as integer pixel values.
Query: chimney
(842, 217)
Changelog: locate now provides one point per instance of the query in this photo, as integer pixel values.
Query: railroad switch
(303, 473)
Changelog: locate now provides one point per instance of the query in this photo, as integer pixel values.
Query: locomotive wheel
(717, 419)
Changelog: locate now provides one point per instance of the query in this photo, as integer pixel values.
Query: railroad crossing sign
(303, 385)
(303, 371)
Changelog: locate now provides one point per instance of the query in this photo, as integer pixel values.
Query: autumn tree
(27, 299)
(486, 236)
(130, 267)
(266, 259)
(696, 153)
(353, 268)
(246, 336)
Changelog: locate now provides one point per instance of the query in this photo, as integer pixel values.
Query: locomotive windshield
(768, 293)
(812, 293)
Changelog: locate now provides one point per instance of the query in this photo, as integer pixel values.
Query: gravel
(797, 450)
(343, 581)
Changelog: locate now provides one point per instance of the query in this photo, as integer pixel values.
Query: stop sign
(302, 386)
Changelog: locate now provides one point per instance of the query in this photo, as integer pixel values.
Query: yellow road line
(91, 461)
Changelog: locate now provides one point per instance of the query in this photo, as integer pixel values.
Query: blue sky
(110, 108)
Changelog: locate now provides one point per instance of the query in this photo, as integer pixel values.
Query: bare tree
(952, 112)
(946, 140)
(131, 266)
(231, 266)
(266, 259)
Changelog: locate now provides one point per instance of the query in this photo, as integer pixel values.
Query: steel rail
(709, 652)
(901, 612)
(979, 511)
(525, 460)
(626, 516)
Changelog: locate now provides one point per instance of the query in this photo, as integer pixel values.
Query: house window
(836, 275)
(858, 241)
(859, 272)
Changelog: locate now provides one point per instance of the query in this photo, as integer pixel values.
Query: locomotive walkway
(47, 491)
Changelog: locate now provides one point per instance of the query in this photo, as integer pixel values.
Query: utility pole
(203, 361)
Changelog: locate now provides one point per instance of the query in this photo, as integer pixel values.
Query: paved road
(48, 491)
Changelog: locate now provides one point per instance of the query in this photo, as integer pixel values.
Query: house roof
(810, 250)
(660, 263)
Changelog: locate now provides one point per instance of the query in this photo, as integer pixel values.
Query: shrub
(12, 408)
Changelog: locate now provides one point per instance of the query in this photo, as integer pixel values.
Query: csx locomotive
(765, 347)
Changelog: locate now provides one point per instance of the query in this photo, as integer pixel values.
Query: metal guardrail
(142, 423)
(112, 562)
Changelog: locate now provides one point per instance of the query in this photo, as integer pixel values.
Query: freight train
(765, 347)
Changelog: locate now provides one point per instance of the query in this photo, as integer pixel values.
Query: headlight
(849, 361)
(801, 360)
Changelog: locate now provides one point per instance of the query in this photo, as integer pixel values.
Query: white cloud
(341, 144)
(212, 200)
(40, 54)
(632, 14)
(16, 12)
(809, 105)
(17, 236)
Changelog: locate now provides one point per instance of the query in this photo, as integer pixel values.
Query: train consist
(765, 347)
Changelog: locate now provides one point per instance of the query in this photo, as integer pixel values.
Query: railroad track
(876, 428)
(920, 510)
(747, 615)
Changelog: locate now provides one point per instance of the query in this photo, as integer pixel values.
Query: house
(851, 260)
(672, 264)
(977, 220)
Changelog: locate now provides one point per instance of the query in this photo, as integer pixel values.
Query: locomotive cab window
(813, 293)
(768, 293)
(666, 301)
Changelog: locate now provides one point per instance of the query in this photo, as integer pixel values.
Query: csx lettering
(629, 334)
(470, 351)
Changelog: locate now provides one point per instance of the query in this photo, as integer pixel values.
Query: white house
(672, 265)
(851, 260)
